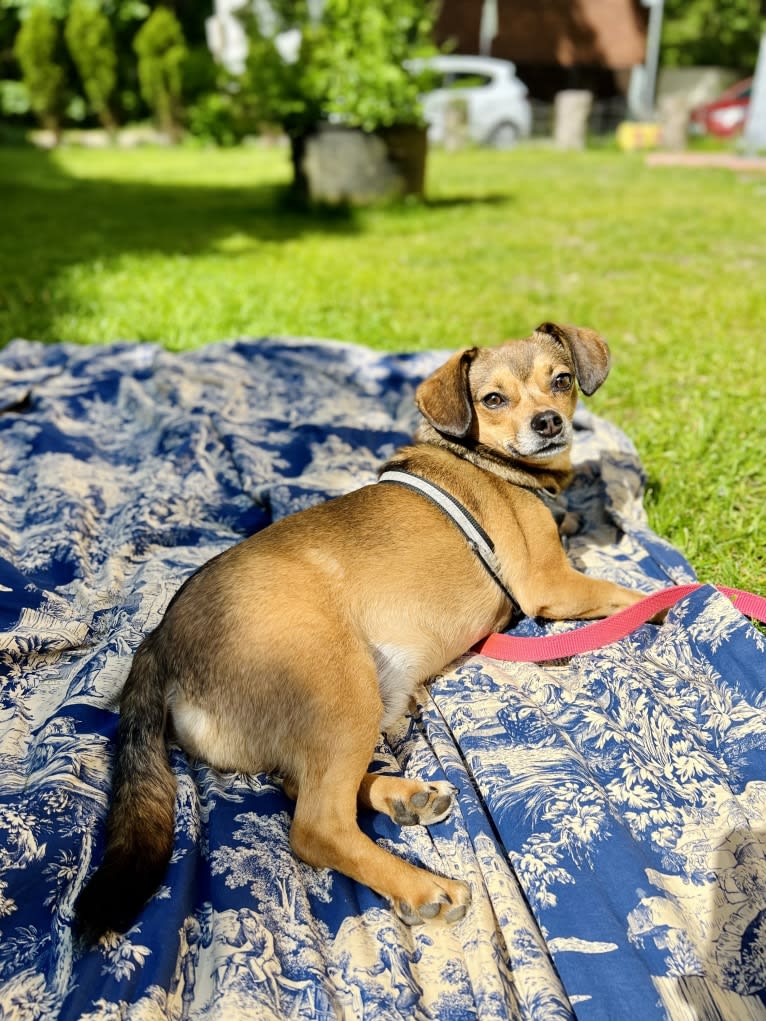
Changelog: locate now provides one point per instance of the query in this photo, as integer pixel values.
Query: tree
(161, 51)
(90, 42)
(360, 53)
(37, 49)
(347, 65)
(725, 33)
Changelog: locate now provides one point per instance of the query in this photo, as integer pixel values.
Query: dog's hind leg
(408, 802)
(325, 832)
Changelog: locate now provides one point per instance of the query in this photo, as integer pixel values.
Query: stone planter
(336, 164)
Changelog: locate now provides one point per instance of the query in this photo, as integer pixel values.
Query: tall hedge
(90, 42)
(162, 51)
(37, 49)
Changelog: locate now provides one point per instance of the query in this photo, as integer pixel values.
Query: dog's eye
(562, 382)
(493, 400)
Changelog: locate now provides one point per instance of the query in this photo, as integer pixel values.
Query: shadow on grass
(53, 221)
(456, 201)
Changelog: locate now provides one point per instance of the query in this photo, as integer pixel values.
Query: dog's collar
(536, 479)
(476, 537)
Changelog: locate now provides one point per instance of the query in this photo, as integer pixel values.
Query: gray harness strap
(477, 539)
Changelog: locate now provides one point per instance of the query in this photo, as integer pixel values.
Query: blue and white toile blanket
(611, 814)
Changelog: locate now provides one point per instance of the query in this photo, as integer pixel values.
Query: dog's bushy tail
(141, 819)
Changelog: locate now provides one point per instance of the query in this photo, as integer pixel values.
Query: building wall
(595, 33)
(556, 43)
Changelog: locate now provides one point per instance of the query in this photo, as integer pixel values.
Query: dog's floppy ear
(444, 398)
(589, 352)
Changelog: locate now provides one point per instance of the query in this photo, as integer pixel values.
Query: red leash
(610, 629)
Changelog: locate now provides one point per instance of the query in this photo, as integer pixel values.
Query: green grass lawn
(185, 247)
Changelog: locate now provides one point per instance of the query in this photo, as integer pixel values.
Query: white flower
(122, 959)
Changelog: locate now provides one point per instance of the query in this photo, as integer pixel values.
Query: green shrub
(712, 32)
(90, 42)
(358, 54)
(14, 98)
(199, 74)
(161, 51)
(216, 119)
(349, 68)
(37, 49)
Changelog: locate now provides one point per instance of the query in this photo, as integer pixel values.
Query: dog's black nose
(547, 423)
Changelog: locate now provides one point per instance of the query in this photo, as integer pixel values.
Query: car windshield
(466, 80)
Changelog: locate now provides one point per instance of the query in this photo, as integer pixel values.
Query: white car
(496, 101)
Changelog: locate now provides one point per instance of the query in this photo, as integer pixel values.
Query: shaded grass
(186, 247)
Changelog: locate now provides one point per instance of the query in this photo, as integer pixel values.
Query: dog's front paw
(570, 524)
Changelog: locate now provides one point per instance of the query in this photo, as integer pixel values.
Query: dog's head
(517, 399)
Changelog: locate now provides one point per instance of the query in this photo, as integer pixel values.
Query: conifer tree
(161, 51)
(37, 49)
(90, 42)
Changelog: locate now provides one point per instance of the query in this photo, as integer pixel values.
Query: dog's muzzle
(547, 434)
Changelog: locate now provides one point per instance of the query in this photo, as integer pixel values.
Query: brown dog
(291, 651)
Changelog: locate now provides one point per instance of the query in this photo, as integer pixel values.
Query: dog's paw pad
(430, 910)
(431, 804)
(402, 815)
(443, 908)
(442, 805)
(454, 914)
(407, 913)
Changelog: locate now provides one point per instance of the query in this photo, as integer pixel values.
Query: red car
(726, 115)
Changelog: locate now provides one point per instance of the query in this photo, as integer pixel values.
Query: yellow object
(632, 135)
